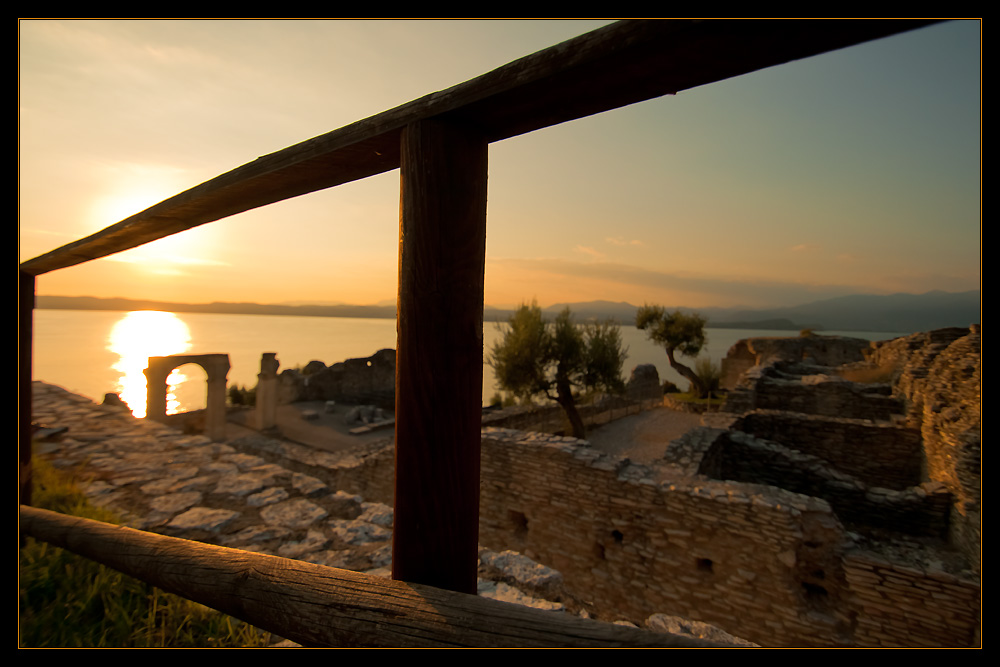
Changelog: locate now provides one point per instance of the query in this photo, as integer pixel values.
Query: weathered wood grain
(439, 353)
(322, 606)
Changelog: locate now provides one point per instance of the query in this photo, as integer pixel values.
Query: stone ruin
(909, 424)
(815, 511)
(361, 415)
(212, 421)
(366, 381)
(644, 383)
(887, 435)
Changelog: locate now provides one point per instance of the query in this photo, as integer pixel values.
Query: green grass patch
(69, 601)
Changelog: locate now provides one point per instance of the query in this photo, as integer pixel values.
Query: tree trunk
(564, 397)
(696, 384)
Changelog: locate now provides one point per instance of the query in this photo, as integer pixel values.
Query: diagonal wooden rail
(320, 606)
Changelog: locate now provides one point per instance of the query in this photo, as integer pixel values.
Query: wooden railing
(439, 142)
(315, 605)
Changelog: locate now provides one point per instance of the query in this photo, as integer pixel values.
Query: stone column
(156, 390)
(266, 414)
(215, 413)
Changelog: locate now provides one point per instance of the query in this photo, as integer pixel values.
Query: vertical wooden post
(25, 316)
(439, 355)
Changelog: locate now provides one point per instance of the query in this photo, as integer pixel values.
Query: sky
(856, 171)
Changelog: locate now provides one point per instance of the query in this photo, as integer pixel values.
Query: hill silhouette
(897, 313)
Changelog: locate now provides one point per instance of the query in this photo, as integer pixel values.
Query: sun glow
(138, 336)
(133, 188)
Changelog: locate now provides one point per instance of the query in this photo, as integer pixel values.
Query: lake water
(95, 352)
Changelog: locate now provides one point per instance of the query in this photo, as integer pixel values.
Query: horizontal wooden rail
(618, 65)
(323, 606)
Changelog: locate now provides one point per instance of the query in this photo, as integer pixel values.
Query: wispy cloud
(617, 240)
(589, 251)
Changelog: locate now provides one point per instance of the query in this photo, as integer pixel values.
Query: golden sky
(857, 171)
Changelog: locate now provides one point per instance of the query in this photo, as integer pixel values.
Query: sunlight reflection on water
(136, 337)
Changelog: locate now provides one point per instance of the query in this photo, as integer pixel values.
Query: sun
(135, 338)
(115, 206)
(173, 255)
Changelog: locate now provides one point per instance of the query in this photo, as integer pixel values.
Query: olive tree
(551, 360)
(678, 334)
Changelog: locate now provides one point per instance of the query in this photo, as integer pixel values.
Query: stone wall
(816, 350)
(940, 375)
(919, 510)
(878, 454)
(552, 419)
(910, 606)
(817, 394)
(762, 563)
(742, 558)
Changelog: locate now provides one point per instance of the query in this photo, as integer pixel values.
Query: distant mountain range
(903, 313)
(897, 313)
(95, 303)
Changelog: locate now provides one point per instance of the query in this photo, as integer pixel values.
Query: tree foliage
(678, 334)
(553, 360)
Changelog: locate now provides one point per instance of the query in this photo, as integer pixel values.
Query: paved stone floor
(165, 481)
(309, 423)
(644, 437)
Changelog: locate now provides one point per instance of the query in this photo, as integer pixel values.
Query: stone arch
(217, 368)
(190, 392)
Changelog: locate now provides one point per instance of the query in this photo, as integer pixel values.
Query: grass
(687, 397)
(69, 601)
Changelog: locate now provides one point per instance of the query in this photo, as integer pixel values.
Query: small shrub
(688, 397)
(242, 395)
(709, 374)
(503, 400)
